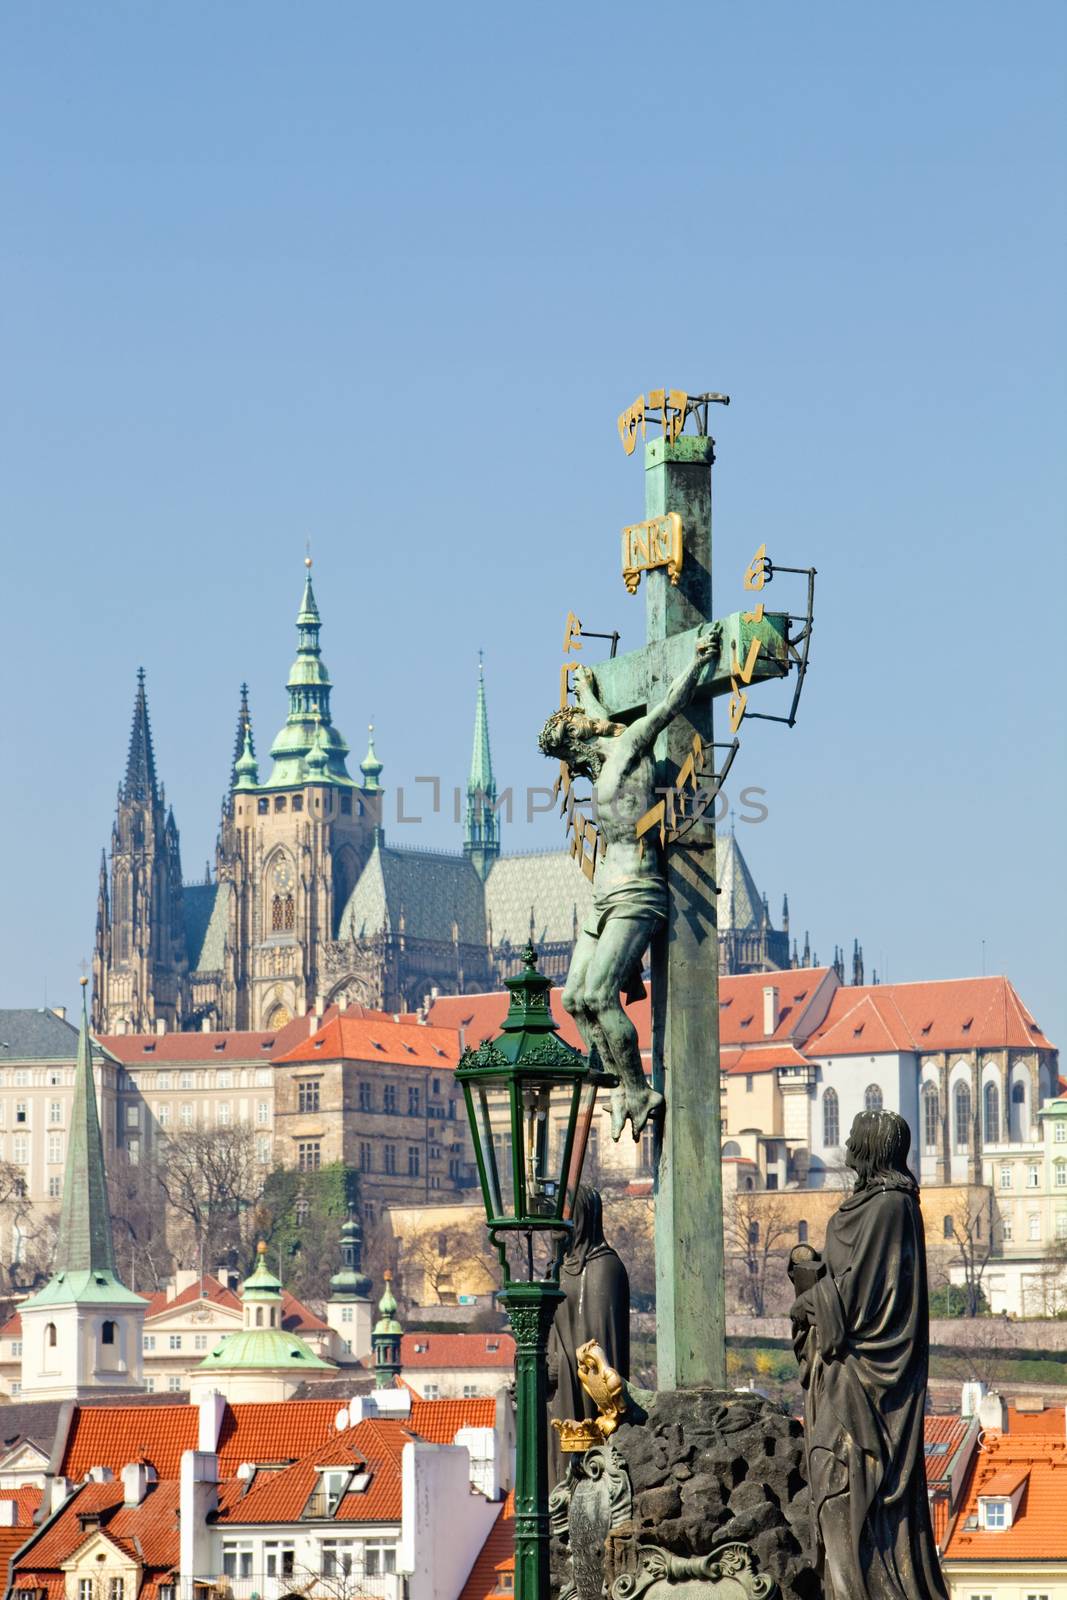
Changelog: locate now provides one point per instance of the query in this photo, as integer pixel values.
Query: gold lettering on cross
(758, 569)
(572, 636)
(656, 542)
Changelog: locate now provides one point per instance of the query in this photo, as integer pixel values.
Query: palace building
(309, 905)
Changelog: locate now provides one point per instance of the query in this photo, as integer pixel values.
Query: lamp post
(530, 1101)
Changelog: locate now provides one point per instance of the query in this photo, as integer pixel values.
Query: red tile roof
(438, 1421)
(496, 1557)
(457, 1350)
(739, 1063)
(296, 1317)
(382, 1041)
(26, 1501)
(112, 1436)
(1039, 1527)
(1050, 1420)
(949, 1432)
(374, 1446)
(133, 1049)
(148, 1531)
(955, 1014)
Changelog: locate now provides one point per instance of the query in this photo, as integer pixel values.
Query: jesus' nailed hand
(630, 888)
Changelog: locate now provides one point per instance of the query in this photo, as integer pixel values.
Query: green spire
(263, 1344)
(386, 1339)
(351, 1283)
(246, 768)
(370, 766)
(85, 1252)
(309, 703)
(481, 839)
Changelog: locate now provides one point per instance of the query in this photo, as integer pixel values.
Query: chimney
(205, 1025)
(993, 1413)
(212, 1408)
(61, 1012)
(971, 1399)
(134, 1483)
(100, 1475)
(161, 1025)
(770, 1010)
(61, 1490)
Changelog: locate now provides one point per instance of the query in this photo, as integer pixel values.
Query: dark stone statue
(596, 1305)
(861, 1333)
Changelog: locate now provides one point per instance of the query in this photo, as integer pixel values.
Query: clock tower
(292, 846)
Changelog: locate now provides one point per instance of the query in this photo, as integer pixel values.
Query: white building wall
(895, 1075)
(444, 1525)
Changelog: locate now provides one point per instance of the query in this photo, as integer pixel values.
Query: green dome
(370, 766)
(254, 1349)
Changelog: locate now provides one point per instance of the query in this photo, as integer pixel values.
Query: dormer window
(994, 1514)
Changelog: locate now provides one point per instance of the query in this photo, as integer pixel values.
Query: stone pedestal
(703, 1493)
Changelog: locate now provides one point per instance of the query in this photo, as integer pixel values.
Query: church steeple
(140, 780)
(309, 705)
(386, 1338)
(82, 1331)
(243, 738)
(481, 839)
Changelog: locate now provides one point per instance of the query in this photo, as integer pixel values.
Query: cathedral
(310, 906)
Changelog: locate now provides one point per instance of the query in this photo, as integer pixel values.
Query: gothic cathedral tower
(139, 958)
(291, 847)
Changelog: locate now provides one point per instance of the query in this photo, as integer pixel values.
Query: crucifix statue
(635, 725)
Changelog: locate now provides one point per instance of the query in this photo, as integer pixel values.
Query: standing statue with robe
(862, 1336)
(596, 1305)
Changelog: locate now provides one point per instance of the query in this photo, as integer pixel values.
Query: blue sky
(384, 278)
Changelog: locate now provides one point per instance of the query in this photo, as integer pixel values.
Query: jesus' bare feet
(633, 1103)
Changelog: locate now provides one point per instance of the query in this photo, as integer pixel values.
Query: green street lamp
(530, 1101)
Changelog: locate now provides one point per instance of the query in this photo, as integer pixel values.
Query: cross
(690, 1266)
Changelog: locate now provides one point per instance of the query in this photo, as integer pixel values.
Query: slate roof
(39, 1036)
(428, 889)
(953, 1014)
(547, 882)
(739, 903)
(205, 909)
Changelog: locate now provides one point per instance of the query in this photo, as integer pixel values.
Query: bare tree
(628, 1228)
(139, 1222)
(212, 1182)
(432, 1260)
(973, 1238)
(756, 1230)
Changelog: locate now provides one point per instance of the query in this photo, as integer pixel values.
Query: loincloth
(638, 900)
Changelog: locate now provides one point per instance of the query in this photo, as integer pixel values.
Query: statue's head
(572, 736)
(878, 1147)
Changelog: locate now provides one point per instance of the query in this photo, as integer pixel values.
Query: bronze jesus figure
(630, 887)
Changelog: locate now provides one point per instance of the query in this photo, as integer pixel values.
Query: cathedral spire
(309, 704)
(243, 736)
(140, 780)
(481, 840)
(370, 766)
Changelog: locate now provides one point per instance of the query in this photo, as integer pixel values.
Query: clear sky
(384, 277)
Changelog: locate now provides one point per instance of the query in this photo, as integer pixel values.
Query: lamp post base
(530, 1308)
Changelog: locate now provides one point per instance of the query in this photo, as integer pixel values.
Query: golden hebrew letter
(655, 815)
(565, 682)
(756, 576)
(738, 702)
(573, 634)
(677, 400)
(753, 616)
(749, 667)
(655, 399)
(628, 424)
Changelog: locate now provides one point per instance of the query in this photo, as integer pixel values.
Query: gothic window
(948, 1227)
(931, 1118)
(50, 1335)
(991, 1107)
(872, 1098)
(963, 1117)
(1018, 1094)
(831, 1120)
(802, 1233)
(282, 914)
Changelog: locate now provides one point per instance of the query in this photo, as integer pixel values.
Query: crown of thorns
(560, 722)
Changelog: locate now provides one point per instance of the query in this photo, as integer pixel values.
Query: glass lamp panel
(542, 1178)
(580, 1123)
(486, 1128)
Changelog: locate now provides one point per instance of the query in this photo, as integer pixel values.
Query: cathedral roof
(419, 892)
(954, 1014)
(740, 905)
(205, 908)
(481, 773)
(38, 1036)
(548, 886)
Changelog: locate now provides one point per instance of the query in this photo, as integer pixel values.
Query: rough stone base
(709, 1465)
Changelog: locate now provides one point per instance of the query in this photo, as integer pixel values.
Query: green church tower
(481, 839)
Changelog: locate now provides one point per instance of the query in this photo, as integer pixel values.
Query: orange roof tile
(438, 1421)
(267, 1431)
(374, 1446)
(405, 1043)
(1051, 1420)
(457, 1350)
(206, 1288)
(1039, 1528)
(27, 1500)
(209, 1049)
(496, 1557)
(149, 1530)
(112, 1436)
(739, 1063)
(954, 1014)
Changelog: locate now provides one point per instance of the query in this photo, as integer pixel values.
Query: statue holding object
(862, 1336)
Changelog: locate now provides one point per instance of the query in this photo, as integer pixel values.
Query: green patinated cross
(690, 1287)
